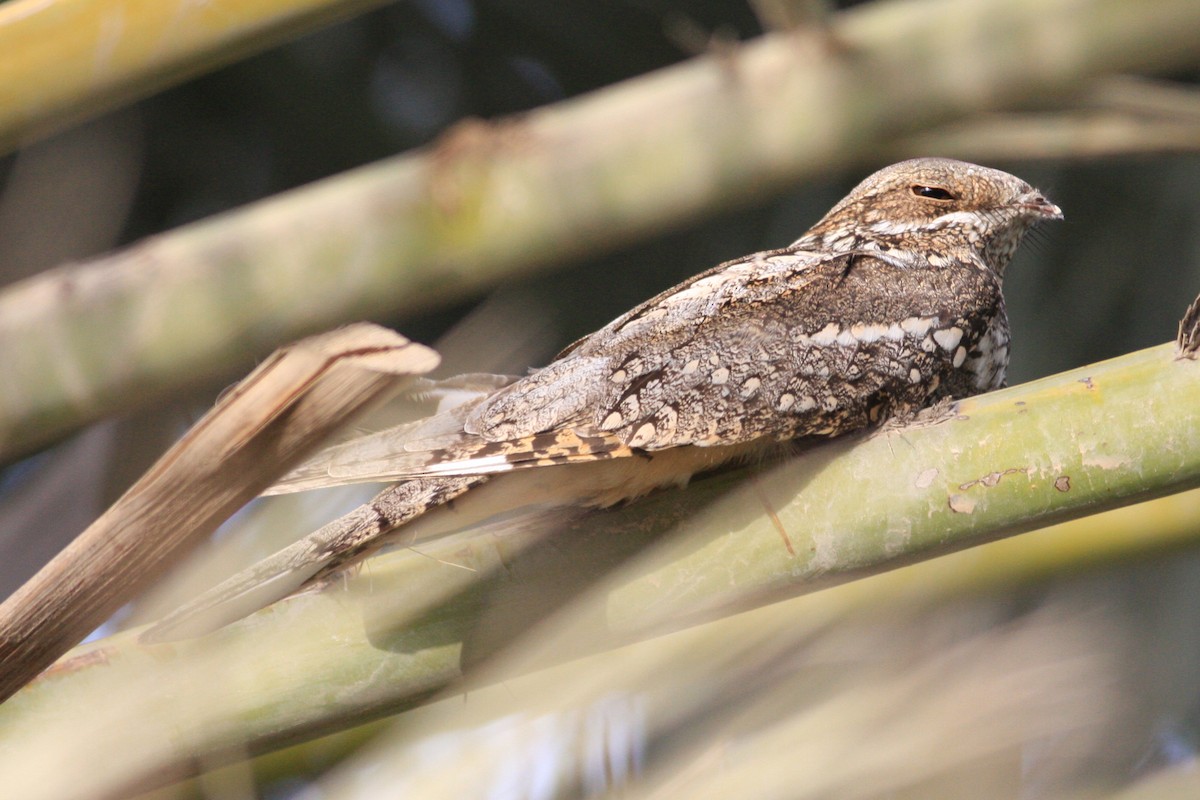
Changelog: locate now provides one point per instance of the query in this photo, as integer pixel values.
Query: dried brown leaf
(262, 427)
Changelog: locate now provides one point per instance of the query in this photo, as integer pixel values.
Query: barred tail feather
(333, 547)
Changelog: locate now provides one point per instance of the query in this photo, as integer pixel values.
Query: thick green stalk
(67, 60)
(1062, 447)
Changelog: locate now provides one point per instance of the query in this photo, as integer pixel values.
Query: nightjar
(889, 303)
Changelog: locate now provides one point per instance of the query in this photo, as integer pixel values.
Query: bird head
(935, 205)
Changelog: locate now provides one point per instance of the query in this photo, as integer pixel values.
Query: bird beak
(1036, 204)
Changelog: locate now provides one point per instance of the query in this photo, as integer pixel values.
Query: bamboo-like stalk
(1062, 447)
(1139, 531)
(67, 60)
(492, 200)
(279, 414)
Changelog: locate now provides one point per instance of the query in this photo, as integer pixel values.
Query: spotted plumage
(889, 303)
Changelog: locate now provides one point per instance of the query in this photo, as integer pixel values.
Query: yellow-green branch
(1063, 447)
(66, 60)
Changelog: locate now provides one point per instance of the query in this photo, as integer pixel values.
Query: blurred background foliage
(1115, 277)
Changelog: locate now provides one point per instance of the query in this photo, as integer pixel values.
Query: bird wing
(373, 456)
(779, 344)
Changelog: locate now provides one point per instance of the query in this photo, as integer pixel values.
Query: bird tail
(333, 547)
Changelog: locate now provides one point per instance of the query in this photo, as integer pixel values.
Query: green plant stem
(67, 60)
(1063, 447)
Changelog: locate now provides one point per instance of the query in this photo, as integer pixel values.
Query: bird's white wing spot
(827, 335)
(917, 326)
(612, 421)
(643, 434)
(472, 466)
(948, 338)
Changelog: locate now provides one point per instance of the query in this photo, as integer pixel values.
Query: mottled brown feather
(889, 303)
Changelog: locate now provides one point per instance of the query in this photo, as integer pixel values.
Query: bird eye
(932, 192)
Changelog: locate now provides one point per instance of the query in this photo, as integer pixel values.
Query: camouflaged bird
(890, 303)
